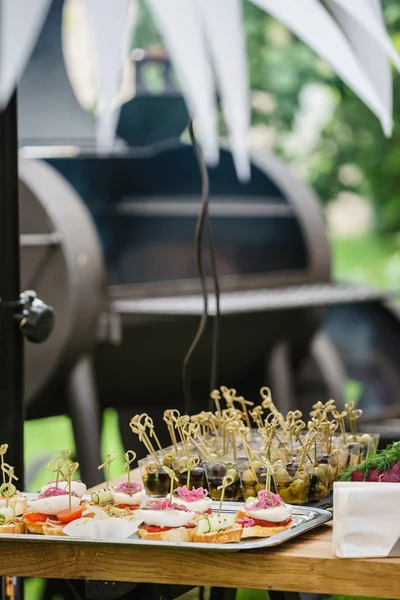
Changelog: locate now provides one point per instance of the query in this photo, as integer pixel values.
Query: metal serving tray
(304, 518)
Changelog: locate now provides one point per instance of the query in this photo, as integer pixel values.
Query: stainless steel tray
(304, 519)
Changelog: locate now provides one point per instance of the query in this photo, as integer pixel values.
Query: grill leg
(280, 374)
(86, 421)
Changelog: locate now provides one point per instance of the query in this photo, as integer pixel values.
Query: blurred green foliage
(281, 66)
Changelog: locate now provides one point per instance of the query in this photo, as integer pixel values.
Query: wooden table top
(303, 565)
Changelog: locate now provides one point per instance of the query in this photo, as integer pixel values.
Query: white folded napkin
(366, 519)
(101, 528)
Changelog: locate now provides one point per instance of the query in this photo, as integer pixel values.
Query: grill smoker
(108, 241)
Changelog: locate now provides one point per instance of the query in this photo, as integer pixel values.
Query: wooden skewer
(3, 450)
(110, 458)
(9, 471)
(226, 481)
(129, 456)
(173, 478)
(71, 468)
(191, 464)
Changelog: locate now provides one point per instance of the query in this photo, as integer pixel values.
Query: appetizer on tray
(12, 503)
(221, 528)
(123, 499)
(166, 521)
(55, 507)
(264, 516)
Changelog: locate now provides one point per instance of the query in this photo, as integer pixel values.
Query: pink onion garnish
(191, 495)
(166, 505)
(265, 499)
(246, 522)
(129, 488)
(54, 491)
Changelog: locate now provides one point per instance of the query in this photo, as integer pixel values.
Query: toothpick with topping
(226, 481)
(111, 456)
(173, 478)
(129, 456)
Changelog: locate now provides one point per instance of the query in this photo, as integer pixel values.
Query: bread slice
(258, 530)
(13, 527)
(225, 536)
(264, 532)
(36, 527)
(52, 530)
(41, 528)
(177, 534)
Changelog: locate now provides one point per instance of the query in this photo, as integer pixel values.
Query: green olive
(151, 468)
(232, 473)
(248, 478)
(282, 477)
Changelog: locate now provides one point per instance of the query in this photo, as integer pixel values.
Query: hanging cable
(203, 219)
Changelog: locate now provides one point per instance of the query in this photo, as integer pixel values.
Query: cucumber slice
(203, 526)
(6, 514)
(223, 522)
(102, 496)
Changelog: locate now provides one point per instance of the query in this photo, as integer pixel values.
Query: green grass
(369, 259)
(49, 436)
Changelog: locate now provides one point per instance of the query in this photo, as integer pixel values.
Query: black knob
(37, 321)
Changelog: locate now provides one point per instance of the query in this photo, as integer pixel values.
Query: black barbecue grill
(116, 262)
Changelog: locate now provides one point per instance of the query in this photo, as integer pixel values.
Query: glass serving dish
(155, 480)
(216, 471)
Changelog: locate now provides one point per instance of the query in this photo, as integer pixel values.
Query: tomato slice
(156, 529)
(36, 517)
(270, 523)
(130, 506)
(66, 516)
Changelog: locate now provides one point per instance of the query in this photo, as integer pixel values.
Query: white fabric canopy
(205, 40)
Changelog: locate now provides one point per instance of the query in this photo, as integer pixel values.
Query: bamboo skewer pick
(3, 450)
(216, 396)
(149, 423)
(173, 478)
(9, 471)
(191, 464)
(71, 468)
(129, 456)
(226, 481)
(170, 425)
(107, 464)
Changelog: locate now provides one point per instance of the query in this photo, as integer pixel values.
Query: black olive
(230, 491)
(198, 477)
(216, 482)
(218, 470)
(163, 476)
(182, 478)
(352, 445)
(197, 473)
(314, 479)
(325, 459)
(292, 468)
